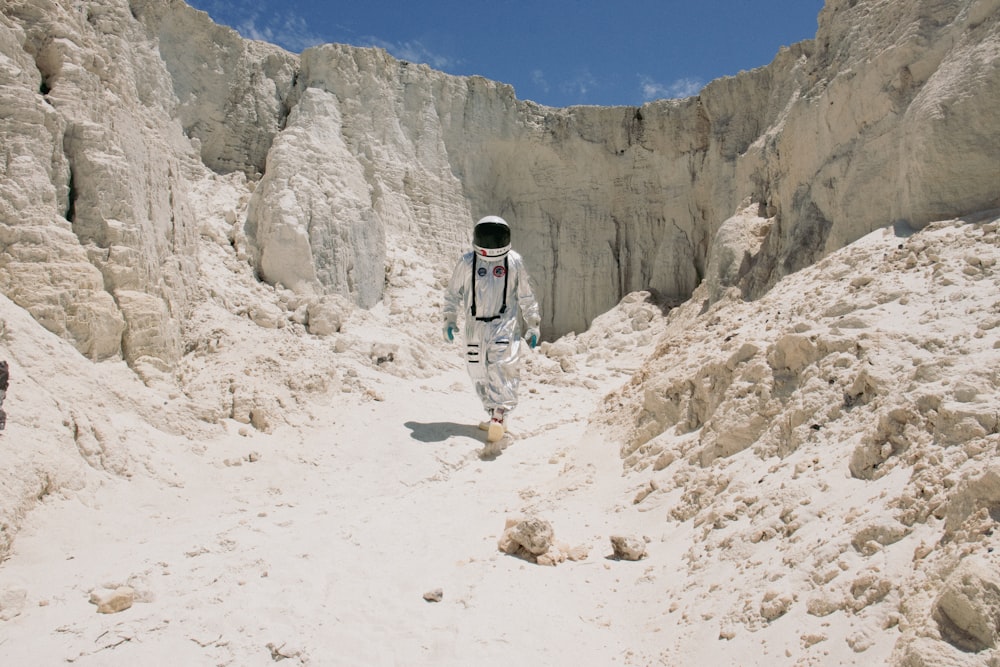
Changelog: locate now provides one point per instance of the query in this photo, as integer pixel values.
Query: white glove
(449, 331)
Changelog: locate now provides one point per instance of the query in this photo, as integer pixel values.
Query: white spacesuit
(490, 286)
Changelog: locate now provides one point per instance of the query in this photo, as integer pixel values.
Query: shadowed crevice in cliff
(807, 240)
(663, 302)
(71, 197)
(785, 250)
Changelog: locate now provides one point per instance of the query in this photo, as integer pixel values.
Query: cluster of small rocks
(533, 539)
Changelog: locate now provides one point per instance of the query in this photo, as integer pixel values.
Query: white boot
(496, 427)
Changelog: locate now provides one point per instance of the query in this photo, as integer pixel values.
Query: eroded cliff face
(883, 118)
(889, 115)
(97, 233)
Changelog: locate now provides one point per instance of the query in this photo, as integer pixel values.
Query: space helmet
(491, 237)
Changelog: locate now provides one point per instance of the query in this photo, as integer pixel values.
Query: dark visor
(491, 235)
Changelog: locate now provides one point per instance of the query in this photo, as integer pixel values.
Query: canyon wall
(115, 108)
(884, 118)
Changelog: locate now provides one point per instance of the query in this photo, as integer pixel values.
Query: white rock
(532, 534)
(267, 315)
(325, 316)
(12, 602)
(112, 601)
(968, 608)
(627, 547)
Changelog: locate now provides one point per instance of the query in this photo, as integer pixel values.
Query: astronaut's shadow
(441, 431)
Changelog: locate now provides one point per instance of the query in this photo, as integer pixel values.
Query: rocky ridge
(877, 364)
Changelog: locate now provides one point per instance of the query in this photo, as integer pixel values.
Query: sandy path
(322, 548)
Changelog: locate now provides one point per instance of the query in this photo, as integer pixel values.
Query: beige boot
(496, 427)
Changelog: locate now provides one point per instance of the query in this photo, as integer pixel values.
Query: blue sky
(557, 52)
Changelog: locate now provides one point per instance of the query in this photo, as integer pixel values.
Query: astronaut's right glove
(449, 331)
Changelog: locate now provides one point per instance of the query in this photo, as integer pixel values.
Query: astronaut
(490, 286)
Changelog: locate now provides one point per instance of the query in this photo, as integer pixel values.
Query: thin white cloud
(538, 78)
(580, 85)
(685, 87)
(289, 31)
(292, 33)
(414, 52)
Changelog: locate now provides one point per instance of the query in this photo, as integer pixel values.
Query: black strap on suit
(503, 308)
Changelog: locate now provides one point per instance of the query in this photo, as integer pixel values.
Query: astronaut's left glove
(532, 336)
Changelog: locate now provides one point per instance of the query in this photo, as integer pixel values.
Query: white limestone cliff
(95, 188)
(838, 136)
(886, 116)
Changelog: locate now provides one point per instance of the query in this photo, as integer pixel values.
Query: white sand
(321, 548)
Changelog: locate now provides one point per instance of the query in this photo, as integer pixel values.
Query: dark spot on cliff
(807, 238)
(71, 206)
